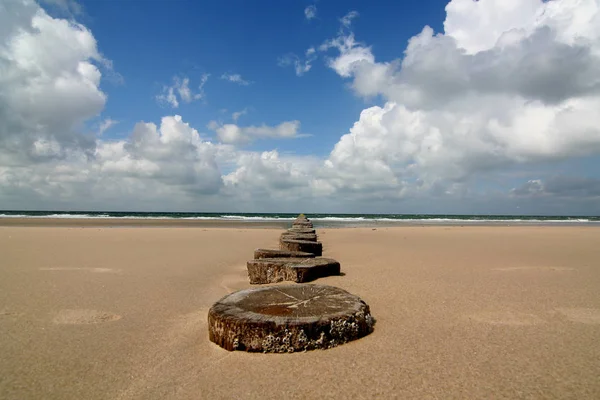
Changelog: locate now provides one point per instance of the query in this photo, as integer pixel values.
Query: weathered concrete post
(288, 318)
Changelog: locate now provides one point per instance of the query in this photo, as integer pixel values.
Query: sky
(440, 107)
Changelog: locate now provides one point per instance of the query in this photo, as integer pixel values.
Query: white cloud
(489, 24)
(301, 65)
(310, 12)
(168, 96)
(71, 7)
(173, 154)
(559, 186)
(164, 164)
(236, 115)
(268, 171)
(180, 87)
(345, 44)
(352, 54)
(234, 134)
(168, 166)
(496, 89)
(500, 87)
(50, 83)
(106, 125)
(184, 91)
(346, 20)
(271, 181)
(235, 78)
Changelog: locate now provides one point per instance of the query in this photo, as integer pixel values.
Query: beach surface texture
(96, 311)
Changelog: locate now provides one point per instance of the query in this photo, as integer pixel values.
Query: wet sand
(101, 312)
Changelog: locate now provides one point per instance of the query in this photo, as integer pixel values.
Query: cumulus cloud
(173, 154)
(180, 91)
(50, 73)
(169, 163)
(310, 12)
(267, 171)
(49, 84)
(508, 82)
(352, 54)
(235, 78)
(235, 134)
(272, 181)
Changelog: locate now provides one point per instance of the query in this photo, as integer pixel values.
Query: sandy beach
(105, 312)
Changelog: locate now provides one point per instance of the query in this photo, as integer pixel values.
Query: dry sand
(462, 312)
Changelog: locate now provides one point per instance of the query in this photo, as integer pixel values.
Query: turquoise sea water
(320, 219)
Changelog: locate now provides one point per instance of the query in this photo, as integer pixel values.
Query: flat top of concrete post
(301, 230)
(299, 236)
(296, 224)
(285, 239)
(272, 253)
(296, 261)
(294, 303)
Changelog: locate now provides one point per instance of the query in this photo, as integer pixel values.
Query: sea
(321, 220)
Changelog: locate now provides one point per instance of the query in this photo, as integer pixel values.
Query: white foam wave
(244, 218)
(320, 221)
(451, 220)
(80, 216)
(348, 219)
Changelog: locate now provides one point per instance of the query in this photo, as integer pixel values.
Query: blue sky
(431, 106)
(150, 42)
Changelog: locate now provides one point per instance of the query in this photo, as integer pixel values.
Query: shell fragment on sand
(288, 318)
(301, 245)
(272, 270)
(269, 253)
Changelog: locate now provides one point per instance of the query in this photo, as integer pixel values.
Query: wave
(126, 216)
(481, 220)
(348, 219)
(319, 219)
(77, 216)
(51, 216)
(242, 217)
(472, 219)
